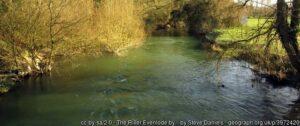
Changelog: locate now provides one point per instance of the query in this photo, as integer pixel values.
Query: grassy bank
(268, 58)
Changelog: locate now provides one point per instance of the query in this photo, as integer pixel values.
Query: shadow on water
(166, 79)
(294, 111)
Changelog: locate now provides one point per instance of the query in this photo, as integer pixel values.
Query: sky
(261, 1)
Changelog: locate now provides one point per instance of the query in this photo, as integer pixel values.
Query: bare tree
(288, 31)
(31, 30)
(285, 25)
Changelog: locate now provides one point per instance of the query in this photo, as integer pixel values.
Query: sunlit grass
(239, 32)
(267, 56)
(243, 32)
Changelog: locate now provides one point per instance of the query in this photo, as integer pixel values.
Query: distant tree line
(192, 16)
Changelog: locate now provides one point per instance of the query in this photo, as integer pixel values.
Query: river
(168, 78)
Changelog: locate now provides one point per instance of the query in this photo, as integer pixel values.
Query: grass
(228, 35)
(240, 32)
(273, 62)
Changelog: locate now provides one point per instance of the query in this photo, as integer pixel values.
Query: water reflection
(167, 79)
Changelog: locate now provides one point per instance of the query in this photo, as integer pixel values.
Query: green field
(232, 34)
(239, 32)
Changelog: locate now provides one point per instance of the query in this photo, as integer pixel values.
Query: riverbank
(10, 79)
(6, 86)
(167, 76)
(269, 60)
(33, 40)
(7, 83)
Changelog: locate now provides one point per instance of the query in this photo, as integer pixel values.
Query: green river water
(168, 78)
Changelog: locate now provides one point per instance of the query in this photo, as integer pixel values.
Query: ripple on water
(167, 78)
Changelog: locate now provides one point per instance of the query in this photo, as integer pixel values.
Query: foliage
(270, 58)
(194, 16)
(118, 26)
(34, 33)
(30, 30)
(199, 16)
(205, 15)
(158, 12)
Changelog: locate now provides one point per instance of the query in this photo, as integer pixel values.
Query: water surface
(166, 79)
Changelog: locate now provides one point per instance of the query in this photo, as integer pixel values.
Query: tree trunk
(288, 32)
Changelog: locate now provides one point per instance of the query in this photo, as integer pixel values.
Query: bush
(193, 16)
(33, 33)
(202, 16)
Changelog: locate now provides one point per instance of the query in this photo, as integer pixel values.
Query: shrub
(33, 33)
